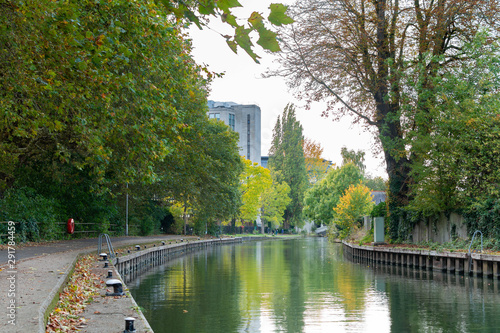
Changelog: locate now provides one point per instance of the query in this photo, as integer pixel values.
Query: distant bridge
(321, 231)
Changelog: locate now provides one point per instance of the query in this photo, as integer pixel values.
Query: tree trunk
(398, 169)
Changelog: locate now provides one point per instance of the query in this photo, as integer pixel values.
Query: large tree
(286, 156)
(357, 54)
(97, 95)
(458, 158)
(102, 88)
(274, 202)
(320, 199)
(354, 204)
(254, 181)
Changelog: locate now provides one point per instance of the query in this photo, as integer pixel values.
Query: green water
(307, 286)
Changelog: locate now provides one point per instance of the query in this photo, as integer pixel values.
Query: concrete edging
(138, 309)
(53, 297)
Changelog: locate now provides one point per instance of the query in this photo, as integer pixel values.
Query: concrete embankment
(135, 263)
(110, 312)
(32, 277)
(474, 264)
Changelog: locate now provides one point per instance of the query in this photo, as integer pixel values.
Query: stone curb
(50, 302)
(138, 309)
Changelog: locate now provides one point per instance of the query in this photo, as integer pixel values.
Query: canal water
(306, 285)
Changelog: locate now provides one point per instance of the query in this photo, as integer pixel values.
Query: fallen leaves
(80, 290)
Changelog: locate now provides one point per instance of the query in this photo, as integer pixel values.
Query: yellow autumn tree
(355, 203)
(316, 165)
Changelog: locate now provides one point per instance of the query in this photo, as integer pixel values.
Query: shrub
(484, 216)
(356, 202)
(37, 215)
(379, 210)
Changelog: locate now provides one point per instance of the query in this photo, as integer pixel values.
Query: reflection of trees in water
(282, 284)
(427, 301)
(174, 296)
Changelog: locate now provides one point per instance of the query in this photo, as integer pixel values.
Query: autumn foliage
(355, 203)
(82, 287)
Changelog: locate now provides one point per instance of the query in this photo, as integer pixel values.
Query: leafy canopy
(320, 199)
(287, 159)
(355, 203)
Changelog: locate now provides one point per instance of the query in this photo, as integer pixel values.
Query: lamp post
(126, 212)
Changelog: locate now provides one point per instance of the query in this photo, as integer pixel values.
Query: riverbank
(39, 277)
(308, 285)
(32, 277)
(476, 264)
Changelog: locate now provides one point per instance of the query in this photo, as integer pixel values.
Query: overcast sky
(242, 83)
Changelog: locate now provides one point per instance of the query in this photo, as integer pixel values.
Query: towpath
(33, 275)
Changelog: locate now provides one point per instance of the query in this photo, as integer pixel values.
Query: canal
(306, 285)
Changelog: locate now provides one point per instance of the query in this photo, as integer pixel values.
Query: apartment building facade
(243, 119)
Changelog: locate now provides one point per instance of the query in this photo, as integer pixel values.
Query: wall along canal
(306, 285)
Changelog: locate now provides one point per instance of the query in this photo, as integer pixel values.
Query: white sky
(243, 84)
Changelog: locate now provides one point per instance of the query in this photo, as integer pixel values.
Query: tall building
(244, 119)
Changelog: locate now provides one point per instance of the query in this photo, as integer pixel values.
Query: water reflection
(307, 286)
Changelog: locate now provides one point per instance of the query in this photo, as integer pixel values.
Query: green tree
(78, 63)
(274, 202)
(375, 183)
(203, 171)
(255, 181)
(286, 156)
(355, 203)
(106, 94)
(457, 152)
(360, 54)
(355, 157)
(320, 199)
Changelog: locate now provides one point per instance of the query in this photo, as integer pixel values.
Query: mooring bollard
(110, 274)
(129, 325)
(162, 243)
(117, 287)
(106, 263)
(104, 256)
(137, 247)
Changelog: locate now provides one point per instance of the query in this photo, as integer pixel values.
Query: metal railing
(472, 241)
(111, 251)
(474, 251)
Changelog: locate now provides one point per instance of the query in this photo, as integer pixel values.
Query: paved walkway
(28, 284)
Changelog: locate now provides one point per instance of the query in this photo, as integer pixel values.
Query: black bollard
(117, 287)
(129, 325)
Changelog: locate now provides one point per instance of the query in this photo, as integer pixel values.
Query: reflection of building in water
(244, 119)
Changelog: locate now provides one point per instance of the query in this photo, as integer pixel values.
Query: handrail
(469, 253)
(111, 251)
(472, 241)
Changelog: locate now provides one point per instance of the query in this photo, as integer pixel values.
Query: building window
(231, 121)
(248, 136)
(214, 116)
